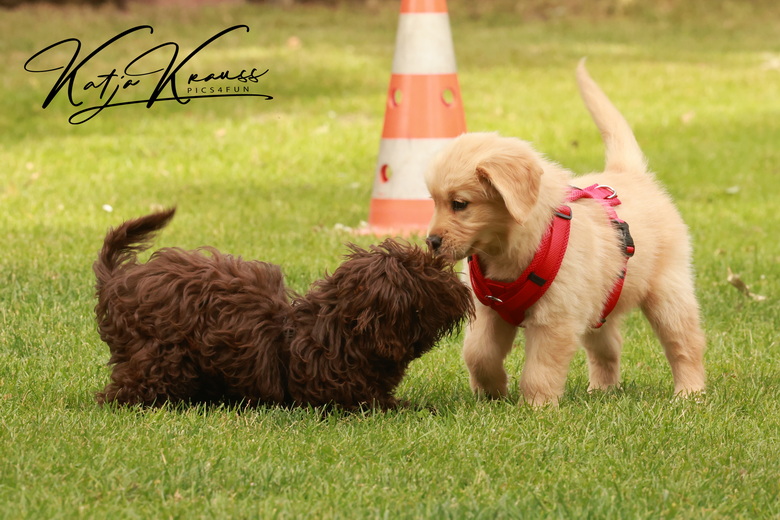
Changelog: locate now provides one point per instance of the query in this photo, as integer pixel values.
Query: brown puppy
(496, 197)
(202, 326)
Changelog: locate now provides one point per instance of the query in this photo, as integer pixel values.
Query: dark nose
(434, 242)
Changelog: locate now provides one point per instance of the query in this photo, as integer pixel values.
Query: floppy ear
(516, 174)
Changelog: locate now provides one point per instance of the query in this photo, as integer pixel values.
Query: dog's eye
(459, 205)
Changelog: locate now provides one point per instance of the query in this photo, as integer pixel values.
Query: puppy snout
(434, 242)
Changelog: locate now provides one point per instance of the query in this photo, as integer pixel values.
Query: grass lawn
(700, 83)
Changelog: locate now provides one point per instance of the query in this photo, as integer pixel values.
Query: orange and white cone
(424, 111)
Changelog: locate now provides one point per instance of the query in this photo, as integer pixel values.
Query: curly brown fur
(202, 326)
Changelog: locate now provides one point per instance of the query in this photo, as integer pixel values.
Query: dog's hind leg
(154, 374)
(603, 347)
(673, 313)
(488, 341)
(129, 387)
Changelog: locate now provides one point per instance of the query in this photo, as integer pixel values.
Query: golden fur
(495, 196)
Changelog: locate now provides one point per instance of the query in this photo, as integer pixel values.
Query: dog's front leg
(487, 342)
(548, 353)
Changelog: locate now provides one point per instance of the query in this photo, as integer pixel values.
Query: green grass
(271, 179)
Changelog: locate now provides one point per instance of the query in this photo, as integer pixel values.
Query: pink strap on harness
(511, 300)
(607, 196)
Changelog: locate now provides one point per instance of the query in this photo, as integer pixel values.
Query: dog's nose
(434, 242)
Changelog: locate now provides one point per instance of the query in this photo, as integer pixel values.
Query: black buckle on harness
(625, 237)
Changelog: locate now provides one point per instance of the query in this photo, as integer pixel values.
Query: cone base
(399, 217)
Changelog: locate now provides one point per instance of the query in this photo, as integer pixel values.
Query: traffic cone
(424, 111)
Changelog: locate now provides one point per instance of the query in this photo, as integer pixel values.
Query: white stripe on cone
(424, 45)
(406, 161)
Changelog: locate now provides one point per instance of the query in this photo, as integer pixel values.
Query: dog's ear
(379, 325)
(515, 173)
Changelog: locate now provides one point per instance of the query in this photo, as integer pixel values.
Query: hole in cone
(395, 97)
(385, 173)
(448, 96)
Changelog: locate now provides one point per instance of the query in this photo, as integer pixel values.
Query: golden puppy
(497, 199)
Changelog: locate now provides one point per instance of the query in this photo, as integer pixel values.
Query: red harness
(511, 300)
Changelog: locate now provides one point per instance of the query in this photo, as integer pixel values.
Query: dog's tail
(623, 152)
(123, 244)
